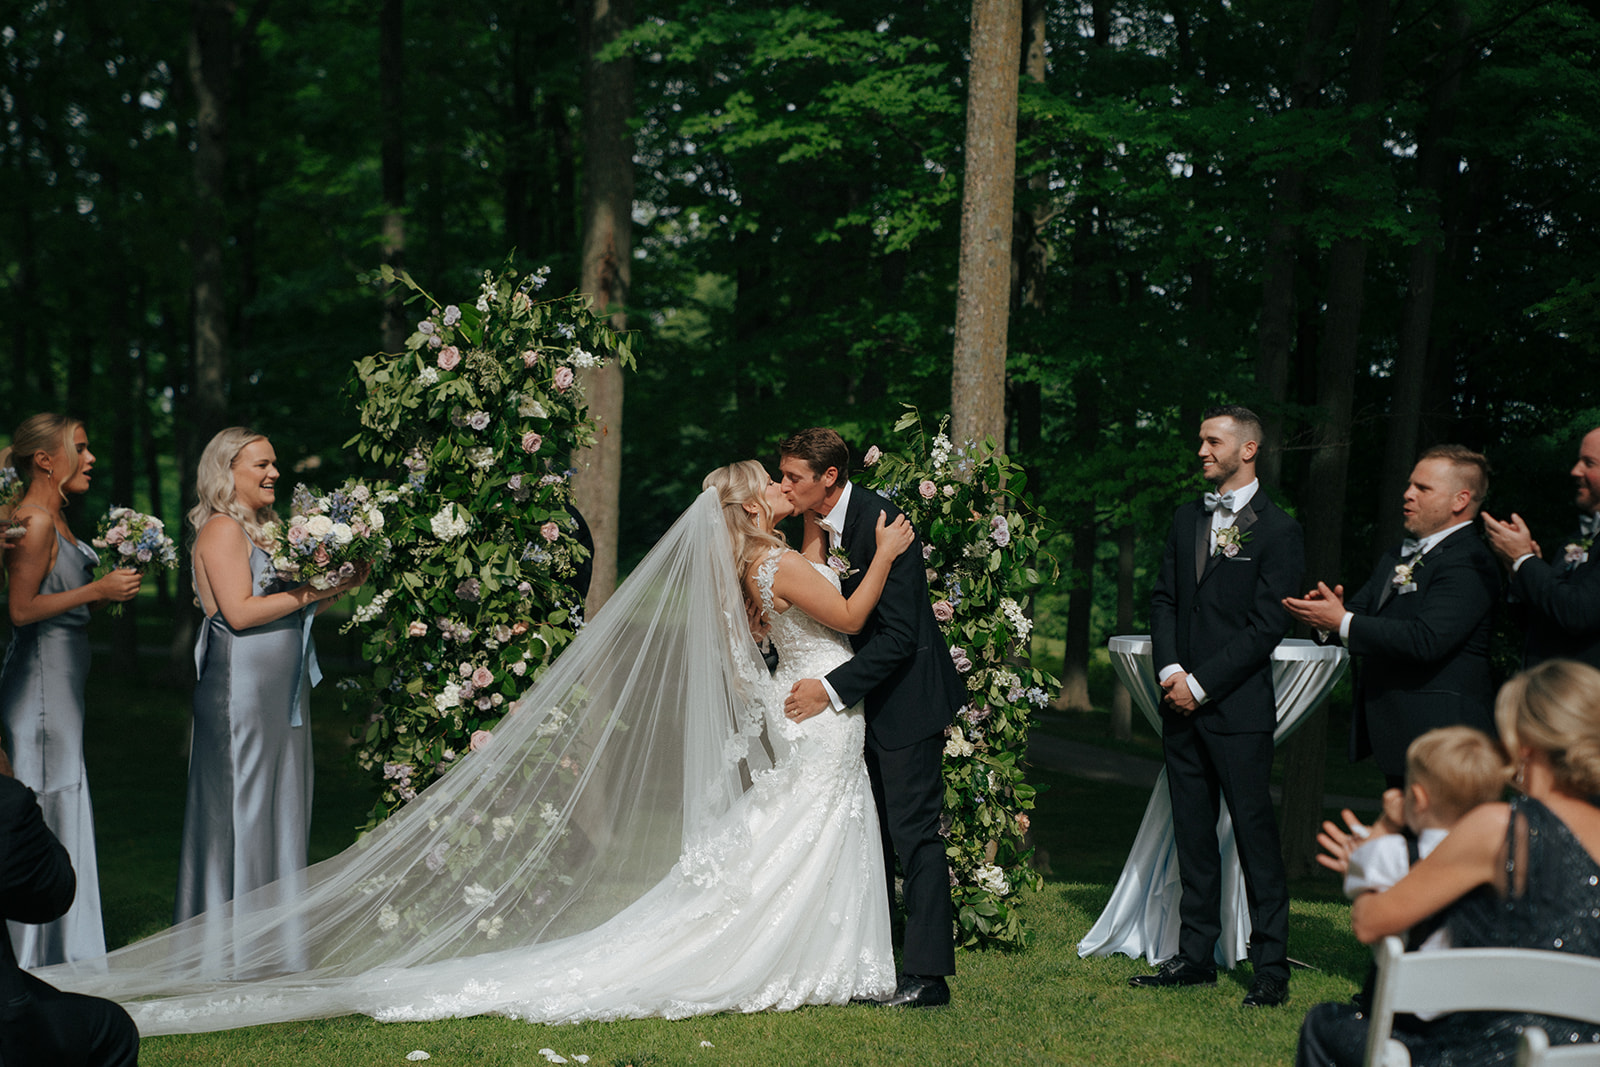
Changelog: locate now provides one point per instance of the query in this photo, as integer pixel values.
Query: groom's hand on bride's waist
(805, 699)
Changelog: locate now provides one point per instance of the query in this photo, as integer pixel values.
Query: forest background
(1365, 218)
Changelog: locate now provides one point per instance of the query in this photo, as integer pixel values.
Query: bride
(645, 835)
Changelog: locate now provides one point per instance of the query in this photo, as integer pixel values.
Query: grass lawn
(1044, 1005)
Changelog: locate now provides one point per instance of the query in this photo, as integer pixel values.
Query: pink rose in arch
(927, 489)
(482, 677)
(531, 441)
(449, 356)
(550, 531)
(943, 611)
(480, 739)
(417, 629)
(872, 456)
(563, 378)
(529, 358)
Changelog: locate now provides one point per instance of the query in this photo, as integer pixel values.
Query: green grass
(1044, 1005)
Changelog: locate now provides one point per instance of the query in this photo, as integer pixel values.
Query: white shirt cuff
(1344, 627)
(1195, 690)
(838, 705)
(1168, 671)
(1519, 560)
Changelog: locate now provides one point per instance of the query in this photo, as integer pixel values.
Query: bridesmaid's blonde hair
(214, 489)
(44, 432)
(737, 485)
(1555, 707)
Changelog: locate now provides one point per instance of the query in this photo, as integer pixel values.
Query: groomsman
(1216, 615)
(1559, 599)
(1419, 628)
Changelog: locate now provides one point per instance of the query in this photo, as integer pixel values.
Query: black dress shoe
(1175, 972)
(1267, 991)
(919, 991)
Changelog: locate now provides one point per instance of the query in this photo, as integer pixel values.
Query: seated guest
(1518, 875)
(40, 1026)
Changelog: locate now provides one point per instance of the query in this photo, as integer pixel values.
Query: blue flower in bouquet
(138, 541)
(327, 537)
(11, 488)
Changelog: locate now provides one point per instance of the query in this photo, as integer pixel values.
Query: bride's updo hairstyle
(214, 489)
(742, 491)
(47, 433)
(1555, 708)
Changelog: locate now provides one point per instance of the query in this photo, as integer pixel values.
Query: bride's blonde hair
(214, 486)
(737, 485)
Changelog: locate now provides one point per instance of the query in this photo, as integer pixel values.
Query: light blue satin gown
(248, 816)
(41, 725)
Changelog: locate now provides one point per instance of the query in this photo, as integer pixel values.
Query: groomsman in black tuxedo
(40, 1026)
(910, 689)
(1419, 629)
(1215, 616)
(1558, 599)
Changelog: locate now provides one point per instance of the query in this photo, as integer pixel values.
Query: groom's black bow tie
(1226, 501)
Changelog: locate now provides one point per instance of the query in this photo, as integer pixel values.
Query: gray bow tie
(1589, 525)
(1225, 501)
(1409, 547)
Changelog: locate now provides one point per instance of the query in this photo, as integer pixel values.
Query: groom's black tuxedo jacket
(1220, 617)
(902, 668)
(1559, 608)
(1422, 658)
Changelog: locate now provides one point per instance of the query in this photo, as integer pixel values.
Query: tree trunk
(607, 268)
(1276, 332)
(983, 293)
(392, 153)
(1306, 752)
(210, 63)
(1085, 540)
(1434, 163)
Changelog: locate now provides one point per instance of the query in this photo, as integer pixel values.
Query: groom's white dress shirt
(833, 525)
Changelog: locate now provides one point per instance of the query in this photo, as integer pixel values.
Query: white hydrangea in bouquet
(132, 540)
(327, 538)
(478, 418)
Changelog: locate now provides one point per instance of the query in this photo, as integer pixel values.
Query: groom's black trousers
(908, 813)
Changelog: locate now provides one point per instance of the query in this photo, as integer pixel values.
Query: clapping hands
(1338, 842)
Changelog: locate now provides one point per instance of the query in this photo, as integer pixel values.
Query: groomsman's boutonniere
(839, 560)
(1229, 540)
(1577, 553)
(1405, 575)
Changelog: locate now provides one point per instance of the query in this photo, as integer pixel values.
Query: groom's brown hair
(819, 448)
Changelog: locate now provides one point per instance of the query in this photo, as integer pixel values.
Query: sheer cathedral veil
(630, 747)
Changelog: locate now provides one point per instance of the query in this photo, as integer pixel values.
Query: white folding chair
(1533, 1050)
(1562, 984)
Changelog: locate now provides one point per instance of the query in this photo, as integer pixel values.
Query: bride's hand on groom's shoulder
(894, 537)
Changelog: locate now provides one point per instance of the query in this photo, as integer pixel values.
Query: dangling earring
(1522, 768)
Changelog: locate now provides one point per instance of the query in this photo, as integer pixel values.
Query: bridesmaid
(248, 814)
(41, 684)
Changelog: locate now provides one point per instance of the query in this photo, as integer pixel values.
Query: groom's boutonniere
(1577, 552)
(839, 560)
(1405, 575)
(1229, 540)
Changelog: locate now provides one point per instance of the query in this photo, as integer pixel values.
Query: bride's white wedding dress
(647, 835)
(780, 905)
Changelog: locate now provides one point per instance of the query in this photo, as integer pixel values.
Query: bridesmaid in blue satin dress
(51, 590)
(248, 815)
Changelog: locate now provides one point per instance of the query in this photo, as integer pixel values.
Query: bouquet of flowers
(327, 537)
(11, 488)
(139, 542)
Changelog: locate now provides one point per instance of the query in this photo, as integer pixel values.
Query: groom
(903, 673)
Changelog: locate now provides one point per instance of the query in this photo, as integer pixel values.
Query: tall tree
(983, 295)
(607, 271)
(392, 162)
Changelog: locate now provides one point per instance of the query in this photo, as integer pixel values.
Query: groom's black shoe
(1175, 972)
(1267, 991)
(919, 991)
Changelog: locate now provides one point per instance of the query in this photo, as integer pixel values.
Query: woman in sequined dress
(1520, 875)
